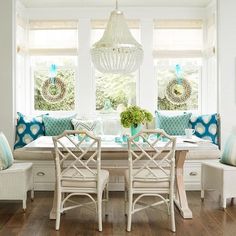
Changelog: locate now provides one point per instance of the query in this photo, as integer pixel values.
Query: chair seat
(79, 183)
(161, 182)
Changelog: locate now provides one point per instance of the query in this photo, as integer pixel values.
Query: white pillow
(112, 126)
(91, 125)
(6, 157)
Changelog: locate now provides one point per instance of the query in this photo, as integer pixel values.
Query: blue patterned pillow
(173, 125)
(28, 129)
(56, 126)
(206, 127)
(6, 157)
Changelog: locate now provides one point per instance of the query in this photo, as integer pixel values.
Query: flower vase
(135, 130)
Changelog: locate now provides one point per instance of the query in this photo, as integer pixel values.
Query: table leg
(52, 215)
(181, 198)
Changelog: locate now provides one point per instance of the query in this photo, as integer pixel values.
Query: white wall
(227, 64)
(7, 68)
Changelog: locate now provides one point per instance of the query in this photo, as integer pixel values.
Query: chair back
(77, 156)
(151, 157)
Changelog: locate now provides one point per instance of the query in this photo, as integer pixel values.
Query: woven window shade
(52, 25)
(53, 37)
(101, 24)
(178, 24)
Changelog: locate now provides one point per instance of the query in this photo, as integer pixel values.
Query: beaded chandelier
(117, 51)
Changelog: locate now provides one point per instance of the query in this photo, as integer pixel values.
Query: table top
(108, 143)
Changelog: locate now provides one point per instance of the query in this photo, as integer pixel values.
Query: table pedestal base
(181, 201)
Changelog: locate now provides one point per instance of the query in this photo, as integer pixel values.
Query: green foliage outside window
(119, 89)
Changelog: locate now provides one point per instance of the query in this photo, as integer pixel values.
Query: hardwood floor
(208, 219)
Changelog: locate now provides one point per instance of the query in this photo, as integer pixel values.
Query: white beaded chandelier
(117, 51)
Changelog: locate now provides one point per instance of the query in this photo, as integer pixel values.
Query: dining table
(115, 145)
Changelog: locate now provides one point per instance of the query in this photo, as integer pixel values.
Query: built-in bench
(44, 169)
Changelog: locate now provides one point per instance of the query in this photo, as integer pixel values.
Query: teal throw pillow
(173, 125)
(56, 126)
(28, 129)
(229, 155)
(6, 157)
(206, 127)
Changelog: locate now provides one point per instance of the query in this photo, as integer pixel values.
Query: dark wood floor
(208, 219)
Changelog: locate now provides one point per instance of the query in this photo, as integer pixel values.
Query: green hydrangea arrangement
(135, 115)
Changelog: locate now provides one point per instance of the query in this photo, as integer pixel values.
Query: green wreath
(178, 93)
(53, 92)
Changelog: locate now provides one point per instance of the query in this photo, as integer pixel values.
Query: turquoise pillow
(173, 125)
(28, 129)
(229, 155)
(206, 127)
(56, 126)
(6, 157)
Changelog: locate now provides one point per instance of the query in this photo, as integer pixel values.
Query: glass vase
(135, 130)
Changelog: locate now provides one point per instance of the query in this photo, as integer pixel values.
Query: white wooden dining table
(109, 144)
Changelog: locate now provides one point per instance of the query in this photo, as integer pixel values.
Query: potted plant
(133, 117)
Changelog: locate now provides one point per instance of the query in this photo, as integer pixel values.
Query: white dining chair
(151, 172)
(81, 175)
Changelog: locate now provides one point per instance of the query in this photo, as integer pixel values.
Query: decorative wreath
(178, 92)
(53, 91)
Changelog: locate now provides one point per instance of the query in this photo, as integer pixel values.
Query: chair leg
(32, 194)
(202, 194)
(106, 199)
(99, 202)
(24, 204)
(125, 203)
(232, 201)
(172, 214)
(223, 199)
(58, 211)
(130, 204)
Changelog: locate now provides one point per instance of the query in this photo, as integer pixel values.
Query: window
(112, 90)
(50, 95)
(178, 61)
(53, 63)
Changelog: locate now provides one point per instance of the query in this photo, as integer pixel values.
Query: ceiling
(104, 3)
